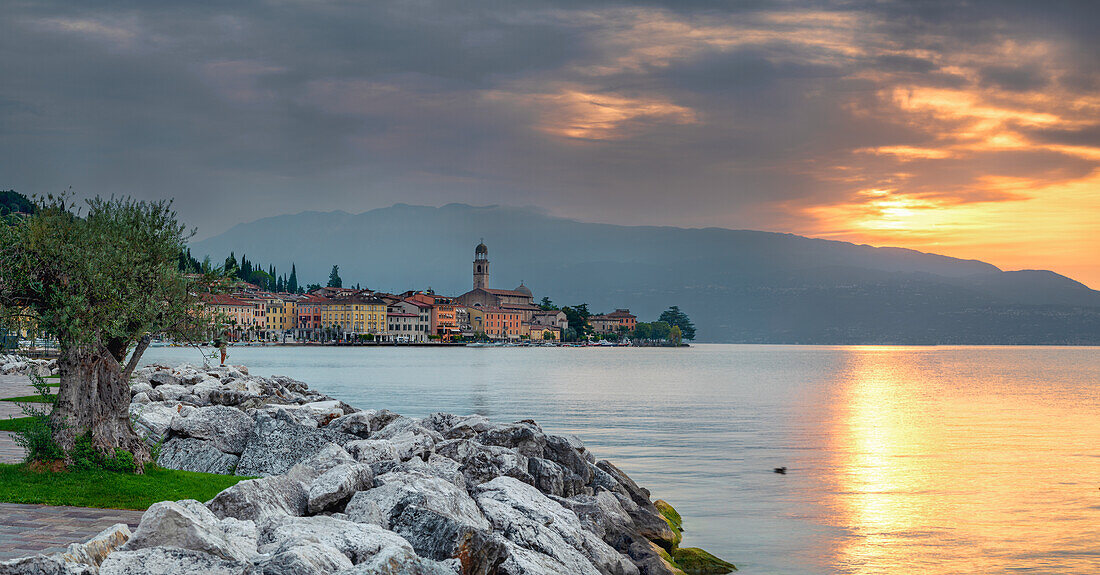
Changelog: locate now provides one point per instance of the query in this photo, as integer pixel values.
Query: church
(519, 300)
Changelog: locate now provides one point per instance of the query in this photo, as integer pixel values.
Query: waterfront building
(237, 316)
(409, 320)
(496, 323)
(615, 322)
(444, 320)
(350, 316)
(554, 318)
(281, 315)
(308, 310)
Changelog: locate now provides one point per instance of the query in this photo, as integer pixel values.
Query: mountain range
(737, 285)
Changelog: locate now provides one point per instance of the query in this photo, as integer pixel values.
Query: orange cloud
(574, 113)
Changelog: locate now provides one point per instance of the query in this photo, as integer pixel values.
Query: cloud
(759, 115)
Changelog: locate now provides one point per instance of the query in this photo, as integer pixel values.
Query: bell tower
(481, 266)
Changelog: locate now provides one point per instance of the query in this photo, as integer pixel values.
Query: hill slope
(737, 285)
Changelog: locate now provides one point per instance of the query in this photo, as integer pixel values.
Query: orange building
(614, 322)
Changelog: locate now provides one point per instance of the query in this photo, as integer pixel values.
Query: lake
(938, 460)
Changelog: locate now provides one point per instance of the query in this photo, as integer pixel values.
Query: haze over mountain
(737, 285)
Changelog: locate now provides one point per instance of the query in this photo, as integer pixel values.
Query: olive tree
(101, 279)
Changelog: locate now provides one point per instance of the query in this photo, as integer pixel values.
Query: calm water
(901, 459)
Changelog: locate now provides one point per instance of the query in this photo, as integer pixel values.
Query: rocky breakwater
(349, 491)
(19, 365)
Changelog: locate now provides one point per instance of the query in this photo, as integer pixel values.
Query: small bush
(35, 435)
(85, 457)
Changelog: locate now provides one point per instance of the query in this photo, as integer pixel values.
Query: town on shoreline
(484, 316)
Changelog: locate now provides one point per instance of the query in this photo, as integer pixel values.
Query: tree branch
(135, 357)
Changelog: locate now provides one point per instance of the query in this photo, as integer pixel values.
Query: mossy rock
(670, 514)
(695, 561)
(673, 519)
(669, 561)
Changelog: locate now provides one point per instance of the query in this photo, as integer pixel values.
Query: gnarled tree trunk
(95, 397)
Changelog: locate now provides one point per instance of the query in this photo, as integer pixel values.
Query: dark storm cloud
(673, 112)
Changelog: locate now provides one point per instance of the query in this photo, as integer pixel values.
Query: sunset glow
(961, 129)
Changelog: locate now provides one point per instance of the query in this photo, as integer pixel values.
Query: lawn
(14, 423)
(31, 399)
(19, 484)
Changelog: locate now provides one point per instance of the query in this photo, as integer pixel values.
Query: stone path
(12, 386)
(32, 529)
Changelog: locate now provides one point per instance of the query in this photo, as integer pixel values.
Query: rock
(639, 494)
(521, 561)
(328, 457)
(398, 561)
(457, 426)
(603, 515)
(153, 420)
(96, 549)
(324, 412)
(257, 499)
(648, 522)
(433, 514)
(373, 450)
(188, 524)
(481, 553)
(194, 378)
(547, 476)
(45, 565)
(362, 509)
(231, 397)
(204, 387)
(695, 561)
(409, 437)
(188, 454)
(140, 387)
(358, 541)
(565, 452)
(363, 423)
(332, 489)
(163, 378)
(481, 463)
(140, 398)
(305, 558)
(652, 559)
(533, 521)
(276, 443)
(171, 392)
(227, 427)
(526, 437)
(171, 561)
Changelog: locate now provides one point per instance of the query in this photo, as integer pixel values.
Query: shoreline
(329, 469)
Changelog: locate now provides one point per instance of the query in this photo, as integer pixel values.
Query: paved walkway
(32, 529)
(12, 386)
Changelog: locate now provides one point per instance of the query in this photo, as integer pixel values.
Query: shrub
(85, 457)
(36, 435)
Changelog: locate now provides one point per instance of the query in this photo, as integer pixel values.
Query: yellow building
(354, 315)
(282, 315)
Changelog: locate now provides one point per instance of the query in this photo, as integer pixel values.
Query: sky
(970, 129)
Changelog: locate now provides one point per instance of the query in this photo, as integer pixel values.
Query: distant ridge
(738, 285)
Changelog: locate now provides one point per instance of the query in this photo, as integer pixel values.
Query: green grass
(106, 489)
(14, 423)
(31, 399)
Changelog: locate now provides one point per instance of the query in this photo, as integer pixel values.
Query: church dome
(481, 249)
(524, 290)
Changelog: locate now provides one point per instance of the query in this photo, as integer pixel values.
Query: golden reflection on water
(935, 475)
